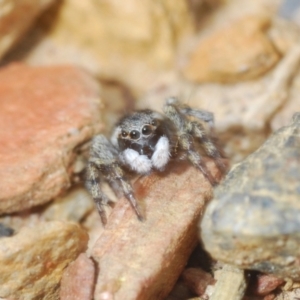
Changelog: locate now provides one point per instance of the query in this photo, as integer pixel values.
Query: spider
(146, 140)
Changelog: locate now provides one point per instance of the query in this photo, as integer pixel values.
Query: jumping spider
(145, 140)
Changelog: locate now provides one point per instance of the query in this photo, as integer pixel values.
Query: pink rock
(197, 280)
(143, 260)
(78, 280)
(45, 112)
(265, 284)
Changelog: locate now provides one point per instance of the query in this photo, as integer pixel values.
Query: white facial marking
(161, 154)
(114, 137)
(139, 163)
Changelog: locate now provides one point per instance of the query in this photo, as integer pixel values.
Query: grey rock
(5, 231)
(253, 221)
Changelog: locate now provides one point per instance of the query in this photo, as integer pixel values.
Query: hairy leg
(125, 186)
(104, 164)
(187, 145)
(200, 114)
(198, 131)
(93, 186)
(185, 139)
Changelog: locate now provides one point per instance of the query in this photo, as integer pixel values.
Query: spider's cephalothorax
(146, 140)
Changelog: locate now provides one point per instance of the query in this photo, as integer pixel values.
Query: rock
(94, 227)
(277, 93)
(283, 34)
(253, 221)
(32, 261)
(142, 260)
(197, 280)
(73, 206)
(289, 9)
(78, 280)
(45, 113)
(14, 22)
(109, 41)
(5, 230)
(241, 51)
(16, 221)
(265, 284)
(243, 111)
(230, 284)
(291, 106)
(269, 297)
(288, 295)
(180, 291)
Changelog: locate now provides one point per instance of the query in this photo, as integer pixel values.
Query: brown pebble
(269, 297)
(197, 280)
(78, 280)
(268, 283)
(265, 284)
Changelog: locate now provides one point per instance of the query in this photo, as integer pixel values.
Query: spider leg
(198, 131)
(185, 139)
(93, 186)
(187, 144)
(127, 190)
(104, 164)
(202, 115)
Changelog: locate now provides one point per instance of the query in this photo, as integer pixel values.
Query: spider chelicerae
(146, 140)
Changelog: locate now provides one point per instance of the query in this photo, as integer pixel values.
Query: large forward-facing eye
(124, 133)
(134, 134)
(146, 130)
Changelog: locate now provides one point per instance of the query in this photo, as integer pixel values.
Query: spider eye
(154, 122)
(124, 133)
(146, 130)
(134, 134)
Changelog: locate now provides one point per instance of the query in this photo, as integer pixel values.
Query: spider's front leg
(197, 130)
(93, 186)
(126, 188)
(202, 115)
(104, 164)
(185, 139)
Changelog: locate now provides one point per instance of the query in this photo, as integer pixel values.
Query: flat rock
(291, 106)
(14, 22)
(241, 51)
(32, 261)
(45, 113)
(253, 221)
(78, 280)
(74, 206)
(109, 41)
(143, 260)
